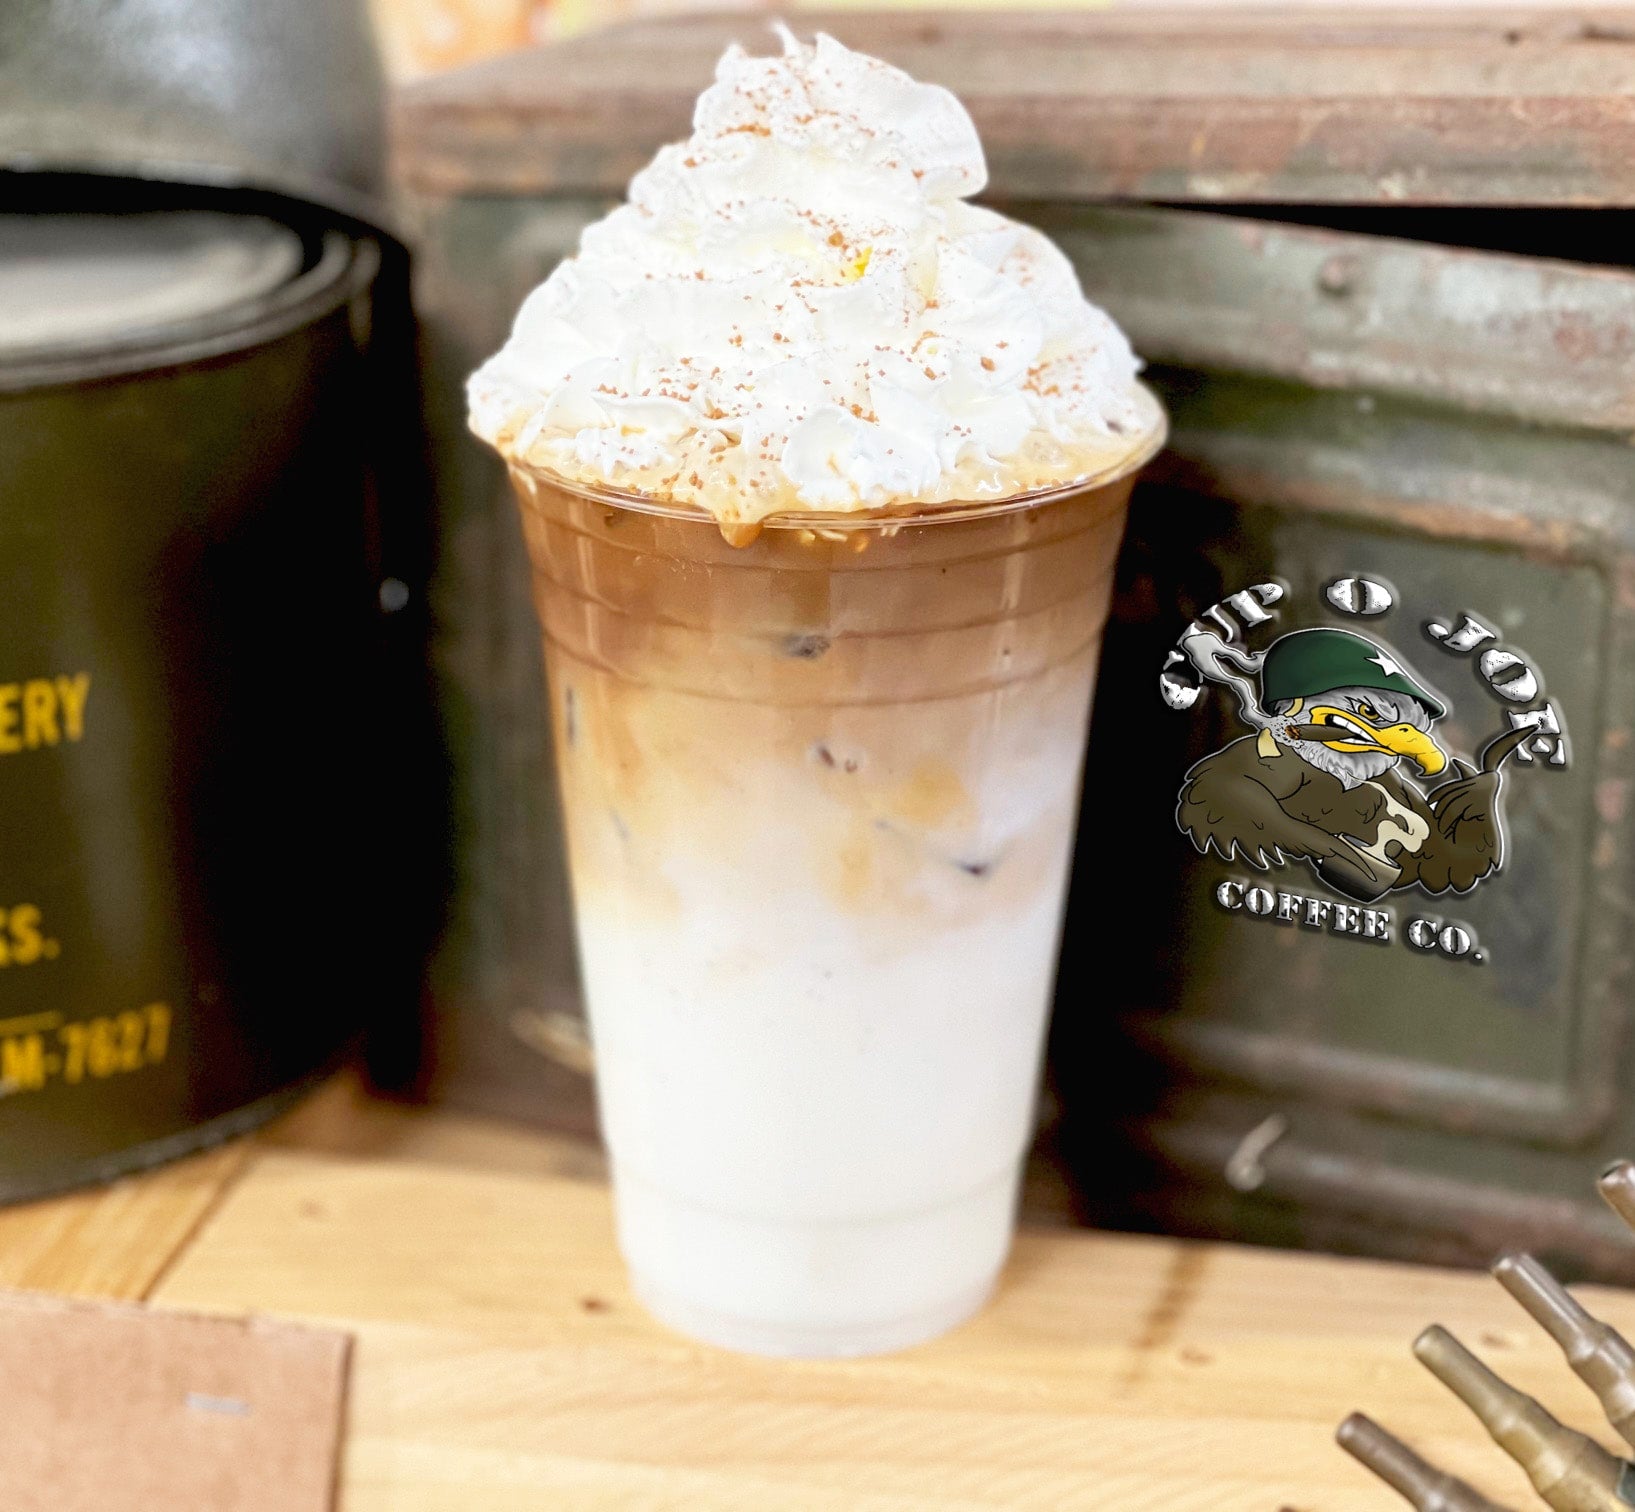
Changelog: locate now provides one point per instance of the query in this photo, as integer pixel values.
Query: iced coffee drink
(822, 472)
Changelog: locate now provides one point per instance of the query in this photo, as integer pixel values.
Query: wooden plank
(343, 1118)
(1385, 107)
(114, 1241)
(502, 1364)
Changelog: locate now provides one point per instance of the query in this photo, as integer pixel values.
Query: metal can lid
(77, 282)
(283, 95)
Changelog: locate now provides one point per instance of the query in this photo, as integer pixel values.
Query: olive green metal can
(189, 658)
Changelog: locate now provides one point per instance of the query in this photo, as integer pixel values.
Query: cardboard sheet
(109, 1407)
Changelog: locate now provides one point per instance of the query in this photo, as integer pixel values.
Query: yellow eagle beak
(1361, 735)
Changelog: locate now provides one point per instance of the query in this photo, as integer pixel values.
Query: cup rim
(947, 511)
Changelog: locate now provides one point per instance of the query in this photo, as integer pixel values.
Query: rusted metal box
(1455, 425)
(1379, 265)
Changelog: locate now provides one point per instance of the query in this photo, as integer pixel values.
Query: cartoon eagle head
(1348, 706)
(1335, 713)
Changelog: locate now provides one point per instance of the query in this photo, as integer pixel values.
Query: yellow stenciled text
(23, 940)
(43, 711)
(41, 1049)
(22, 1062)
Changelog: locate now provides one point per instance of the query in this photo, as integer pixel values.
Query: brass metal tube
(1598, 1353)
(1617, 1186)
(1571, 1472)
(1421, 1485)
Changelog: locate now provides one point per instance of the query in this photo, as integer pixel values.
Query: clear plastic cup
(820, 794)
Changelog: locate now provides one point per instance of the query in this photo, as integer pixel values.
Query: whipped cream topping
(797, 310)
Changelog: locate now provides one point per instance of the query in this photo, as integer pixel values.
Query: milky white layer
(797, 309)
(818, 1156)
(816, 1110)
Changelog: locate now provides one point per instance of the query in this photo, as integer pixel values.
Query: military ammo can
(1346, 959)
(195, 697)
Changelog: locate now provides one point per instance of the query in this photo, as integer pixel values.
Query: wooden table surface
(501, 1364)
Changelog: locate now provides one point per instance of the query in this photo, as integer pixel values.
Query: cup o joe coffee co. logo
(1343, 771)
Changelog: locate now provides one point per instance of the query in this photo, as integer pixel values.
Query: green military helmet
(1307, 662)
